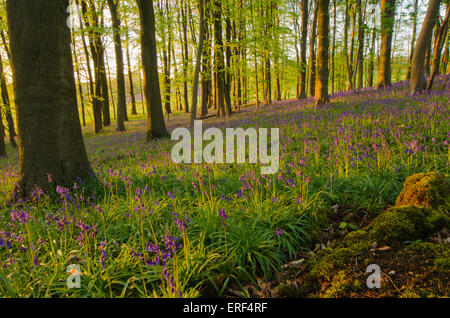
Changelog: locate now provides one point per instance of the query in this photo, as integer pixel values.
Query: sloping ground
(409, 244)
(342, 165)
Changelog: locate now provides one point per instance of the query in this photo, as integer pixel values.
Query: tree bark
(50, 136)
(441, 36)
(323, 22)
(387, 24)
(413, 39)
(198, 63)
(312, 52)
(7, 106)
(185, 55)
(304, 38)
(156, 126)
(121, 99)
(219, 64)
(418, 80)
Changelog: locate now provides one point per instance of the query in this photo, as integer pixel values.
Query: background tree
(418, 80)
(156, 126)
(387, 24)
(321, 94)
(439, 44)
(120, 74)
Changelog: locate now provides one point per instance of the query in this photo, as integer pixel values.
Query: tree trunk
(185, 55)
(323, 21)
(130, 73)
(7, 106)
(446, 55)
(303, 40)
(219, 65)
(312, 52)
(50, 136)
(371, 66)
(156, 126)
(121, 99)
(361, 35)
(387, 24)
(80, 85)
(197, 64)
(96, 92)
(348, 59)
(413, 39)
(2, 139)
(333, 49)
(418, 80)
(441, 36)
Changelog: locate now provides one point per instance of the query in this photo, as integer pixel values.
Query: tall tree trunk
(96, 92)
(418, 80)
(323, 22)
(156, 126)
(361, 35)
(445, 58)
(185, 55)
(312, 52)
(121, 99)
(228, 104)
(413, 39)
(2, 139)
(371, 66)
(440, 39)
(7, 106)
(387, 24)
(303, 40)
(50, 136)
(333, 49)
(130, 73)
(348, 58)
(80, 85)
(198, 63)
(219, 65)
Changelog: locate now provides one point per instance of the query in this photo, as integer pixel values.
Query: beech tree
(387, 25)
(50, 140)
(323, 21)
(418, 80)
(156, 126)
(120, 76)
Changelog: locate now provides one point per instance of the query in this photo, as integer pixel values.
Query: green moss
(425, 190)
(356, 237)
(336, 258)
(406, 223)
(285, 290)
(429, 249)
(340, 285)
(442, 264)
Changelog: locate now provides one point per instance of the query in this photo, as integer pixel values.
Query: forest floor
(147, 227)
